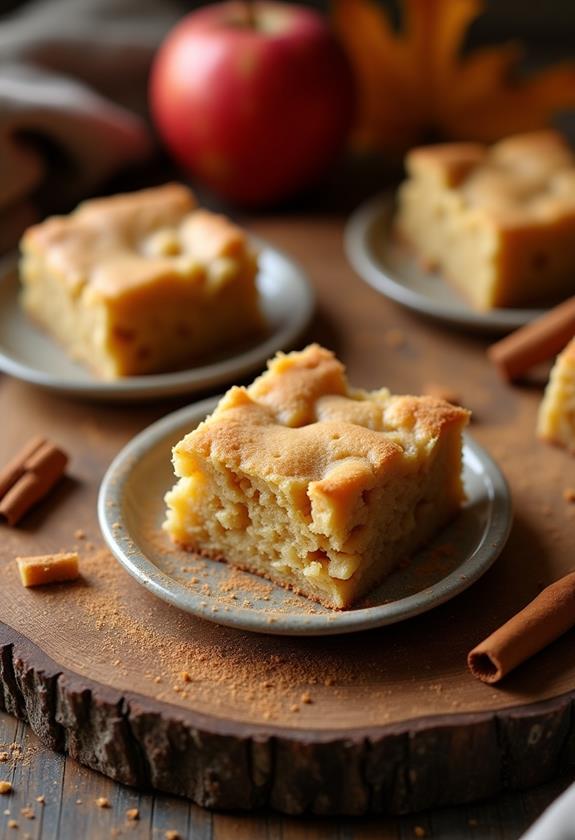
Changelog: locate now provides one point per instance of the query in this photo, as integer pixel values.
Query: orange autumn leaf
(416, 83)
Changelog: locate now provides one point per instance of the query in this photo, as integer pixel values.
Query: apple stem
(250, 13)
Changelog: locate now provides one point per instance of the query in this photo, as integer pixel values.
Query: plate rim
(358, 253)
(138, 565)
(190, 380)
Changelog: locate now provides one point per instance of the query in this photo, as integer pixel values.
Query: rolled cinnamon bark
(29, 477)
(537, 342)
(542, 621)
(16, 468)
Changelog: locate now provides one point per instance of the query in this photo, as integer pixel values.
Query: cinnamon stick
(29, 477)
(538, 341)
(542, 621)
(15, 468)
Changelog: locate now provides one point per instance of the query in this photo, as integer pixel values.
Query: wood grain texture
(70, 811)
(405, 727)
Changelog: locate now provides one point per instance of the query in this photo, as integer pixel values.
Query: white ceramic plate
(131, 510)
(389, 267)
(29, 354)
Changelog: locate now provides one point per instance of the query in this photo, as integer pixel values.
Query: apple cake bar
(314, 485)
(498, 222)
(556, 420)
(142, 282)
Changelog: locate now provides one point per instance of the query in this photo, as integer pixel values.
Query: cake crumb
(294, 707)
(306, 697)
(41, 799)
(133, 814)
(172, 835)
(6, 787)
(569, 494)
(329, 681)
(4, 756)
(12, 824)
(28, 813)
(78, 801)
(80, 534)
(185, 675)
(102, 802)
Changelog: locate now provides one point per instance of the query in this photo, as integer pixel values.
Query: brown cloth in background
(73, 78)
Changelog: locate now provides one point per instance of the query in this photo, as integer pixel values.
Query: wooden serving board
(388, 720)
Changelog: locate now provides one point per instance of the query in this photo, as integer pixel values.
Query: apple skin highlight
(255, 113)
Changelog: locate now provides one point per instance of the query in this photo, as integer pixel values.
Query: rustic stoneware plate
(131, 512)
(389, 267)
(28, 353)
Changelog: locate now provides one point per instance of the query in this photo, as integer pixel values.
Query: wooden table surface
(71, 813)
(352, 326)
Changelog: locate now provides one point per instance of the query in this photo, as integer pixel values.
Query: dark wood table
(71, 813)
(356, 322)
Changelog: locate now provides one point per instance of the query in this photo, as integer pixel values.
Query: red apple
(256, 105)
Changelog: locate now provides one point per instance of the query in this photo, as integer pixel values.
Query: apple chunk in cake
(142, 282)
(314, 485)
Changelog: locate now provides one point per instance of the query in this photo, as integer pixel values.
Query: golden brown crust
(300, 420)
(120, 242)
(525, 179)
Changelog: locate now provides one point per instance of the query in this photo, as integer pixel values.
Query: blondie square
(315, 485)
(142, 282)
(499, 221)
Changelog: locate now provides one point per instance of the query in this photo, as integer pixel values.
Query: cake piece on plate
(142, 282)
(499, 221)
(314, 485)
(556, 420)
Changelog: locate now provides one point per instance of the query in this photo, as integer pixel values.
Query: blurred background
(77, 116)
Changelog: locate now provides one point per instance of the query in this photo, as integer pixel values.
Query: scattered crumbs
(419, 831)
(157, 680)
(5, 787)
(78, 801)
(12, 824)
(194, 580)
(472, 822)
(102, 802)
(306, 697)
(133, 814)
(186, 677)
(116, 525)
(172, 835)
(4, 756)
(294, 707)
(441, 392)
(28, 813)
(41, 799)
(569, 494)
(394, 338)
(80, 534)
